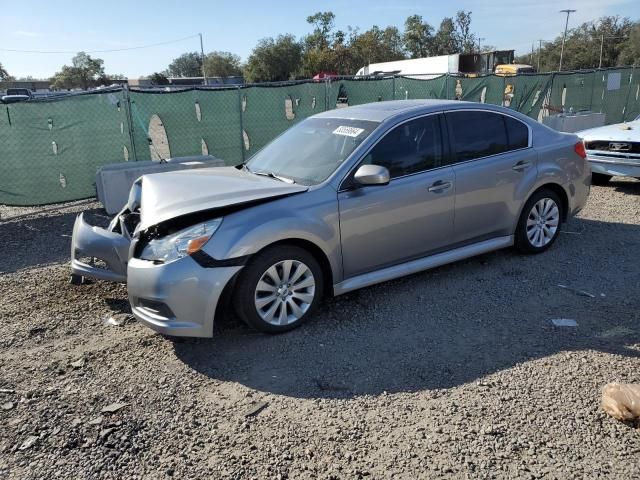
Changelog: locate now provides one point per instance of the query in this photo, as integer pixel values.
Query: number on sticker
(348, 131)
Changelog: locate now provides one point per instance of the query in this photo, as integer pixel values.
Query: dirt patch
(456, 372)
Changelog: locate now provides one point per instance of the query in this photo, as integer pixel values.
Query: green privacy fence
(50, 149)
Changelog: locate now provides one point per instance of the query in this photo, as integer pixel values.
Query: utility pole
(479, 40)
(564, 37)
(531, 60)
(204, 72)
(539, 52)
(601, 47)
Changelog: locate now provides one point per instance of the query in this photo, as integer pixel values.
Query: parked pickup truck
(15, 95)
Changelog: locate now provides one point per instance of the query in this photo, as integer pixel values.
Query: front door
(410, 217)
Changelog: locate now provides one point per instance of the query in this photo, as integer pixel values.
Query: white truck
(430, 67)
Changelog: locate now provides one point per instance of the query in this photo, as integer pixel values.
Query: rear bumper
(614, 166)
(95, 242)
(178, 298)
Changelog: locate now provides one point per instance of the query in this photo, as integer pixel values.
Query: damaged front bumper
(98, 252)
(614, 165)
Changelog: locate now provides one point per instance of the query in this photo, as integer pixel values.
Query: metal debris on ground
(255, 409)
(116, 320)
(29, 442)
(564, 322)
(578, 291)
(113, 408)
(78, 363)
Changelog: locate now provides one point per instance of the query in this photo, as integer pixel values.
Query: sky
(70, 26)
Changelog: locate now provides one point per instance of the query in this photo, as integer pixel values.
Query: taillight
(580, 150)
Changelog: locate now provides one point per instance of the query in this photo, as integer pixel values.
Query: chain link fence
(50, 149)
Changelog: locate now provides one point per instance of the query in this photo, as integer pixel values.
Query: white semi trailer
(430, 67)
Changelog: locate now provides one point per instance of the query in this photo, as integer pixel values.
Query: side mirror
(372, 175)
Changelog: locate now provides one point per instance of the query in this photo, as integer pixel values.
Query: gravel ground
(456, 372)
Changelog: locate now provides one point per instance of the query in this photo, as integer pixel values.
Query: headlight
(180, 244)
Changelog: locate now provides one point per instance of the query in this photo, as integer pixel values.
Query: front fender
(302, 217)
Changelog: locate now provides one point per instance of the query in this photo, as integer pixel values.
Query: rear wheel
(600, 179)
(539, 224)
(279, 289)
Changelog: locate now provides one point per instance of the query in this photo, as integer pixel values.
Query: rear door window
(517, 133)
(477, 134)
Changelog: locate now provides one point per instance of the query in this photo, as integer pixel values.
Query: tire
(600, 179)
(535, 233)
(262, 307)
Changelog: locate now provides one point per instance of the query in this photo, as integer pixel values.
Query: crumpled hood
(173, 194)
(622, 132)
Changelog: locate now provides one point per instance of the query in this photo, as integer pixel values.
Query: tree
(465, 40)
(186, 65)
(582, 47)
(445, 42)
(323, 25)
(418, 37)
(274, 60)
(630, 52)
(318, 51)
(4, 75)
(84, 72)
(376, 45)
(222, 64)
(158, 78)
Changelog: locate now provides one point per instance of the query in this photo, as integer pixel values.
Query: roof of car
(380, 111)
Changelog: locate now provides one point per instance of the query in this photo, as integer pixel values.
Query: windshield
(310, 151)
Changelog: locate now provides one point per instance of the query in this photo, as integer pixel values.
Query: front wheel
(279, 289)
(539, 224)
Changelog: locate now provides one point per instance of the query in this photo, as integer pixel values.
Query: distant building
(211, 81)
(36, 86)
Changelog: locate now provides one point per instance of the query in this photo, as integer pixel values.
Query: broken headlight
(180, 244)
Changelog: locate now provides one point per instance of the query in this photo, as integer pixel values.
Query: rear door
(384, 225)
(495, 169)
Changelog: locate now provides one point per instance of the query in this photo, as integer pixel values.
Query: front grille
(621, 147)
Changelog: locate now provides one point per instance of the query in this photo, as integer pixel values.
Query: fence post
(326, 93)
(553, 77)
(626, 101)
(446, 86)
(393, 86)
(242, 147)
(593, 83)
(127, 108)
(504, 89)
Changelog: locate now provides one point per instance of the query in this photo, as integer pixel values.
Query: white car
(613, 150)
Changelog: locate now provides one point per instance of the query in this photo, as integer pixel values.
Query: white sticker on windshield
(348, 131)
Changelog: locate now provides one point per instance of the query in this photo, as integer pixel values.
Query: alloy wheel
(285, 292)
(543, 222)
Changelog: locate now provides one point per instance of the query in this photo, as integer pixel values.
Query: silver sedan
(343, 200)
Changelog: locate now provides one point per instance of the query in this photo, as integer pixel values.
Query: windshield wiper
(265, 173)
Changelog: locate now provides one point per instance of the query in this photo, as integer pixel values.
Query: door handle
(521, 166)
(440, 186)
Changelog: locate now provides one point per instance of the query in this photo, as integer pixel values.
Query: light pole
(204, 72)
(564, 37)
(601, 46)
(479, 40)
(539, 52)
